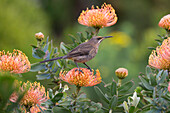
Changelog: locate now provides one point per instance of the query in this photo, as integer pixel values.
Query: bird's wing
(81, 50)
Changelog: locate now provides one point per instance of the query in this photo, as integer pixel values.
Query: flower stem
(38, 43)
(78, 88)
(119, 82)
(97, 31)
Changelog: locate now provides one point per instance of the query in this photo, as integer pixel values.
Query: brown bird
(83, 52)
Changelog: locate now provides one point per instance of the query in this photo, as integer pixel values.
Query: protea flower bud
(121, 73)
(39, 36)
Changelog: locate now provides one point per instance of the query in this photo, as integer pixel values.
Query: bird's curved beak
(107, 36)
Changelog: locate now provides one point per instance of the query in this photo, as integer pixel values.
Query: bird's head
(98, 39)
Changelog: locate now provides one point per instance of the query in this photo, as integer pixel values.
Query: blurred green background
(136, 29)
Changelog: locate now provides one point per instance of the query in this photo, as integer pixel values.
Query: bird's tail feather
(52, 59)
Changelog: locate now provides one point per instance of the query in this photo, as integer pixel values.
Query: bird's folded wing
(81, 50)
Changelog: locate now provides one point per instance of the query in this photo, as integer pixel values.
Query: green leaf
(113, 88)
(153, 80)
(72, 38)
(166, 98)
(34, 46)
(50, 93)
(63, 49)
(131, 109)
(82, 95)
(150, 100)
(159, 74)
(82, 38)
(123, 98)
(97, 105)
(37, 52)
(113, 102)
(151, 48)
(92, 109)
(153, 110)
(60, 110)
(145, 83)
(6, 89)
(163, 77)
(37, 67)
(99, 111)
(126, 87)
(43, 76)
(55, 50)
(158, 40)
(89, 35)
(57, 97)
(75, 42)
(101, 94)
(95, 108)
(148, 71)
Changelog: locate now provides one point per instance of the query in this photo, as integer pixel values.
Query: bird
(83, 52)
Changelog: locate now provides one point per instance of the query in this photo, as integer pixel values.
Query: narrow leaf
(63, 49)
(153, 80)
(101, 94)
(123, 98)
(113, 102)
(39, 53)
(57, 97)
(37, 67)
(113, 88)
(159, 74)
(43, 76)
(99, 111)
(148, 71)
(34, 46)
(126, 87)
(151, 48)
(163, 77)
(131, 109)
(146, 84)
(60, 110)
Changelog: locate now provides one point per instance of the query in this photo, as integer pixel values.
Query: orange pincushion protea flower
(35, 94)
(160, 58)
(98, 18)
(81, 79)
(16, 62)
(165, 22)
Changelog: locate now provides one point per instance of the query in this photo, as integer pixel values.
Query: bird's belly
(82, 59)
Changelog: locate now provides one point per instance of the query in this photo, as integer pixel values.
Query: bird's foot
(79, 70)
(90, 69)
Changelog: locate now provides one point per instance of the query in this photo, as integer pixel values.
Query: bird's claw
(90, 69)
(79, 70)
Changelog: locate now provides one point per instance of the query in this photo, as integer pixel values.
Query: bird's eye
(98, 38)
